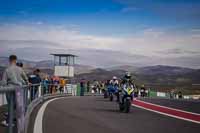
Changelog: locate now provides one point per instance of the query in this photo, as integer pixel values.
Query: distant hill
(158, 74)
(124, 67)
(79, 69)
(4, 62)
(164, 70)
(46, 65)
(162, 75)
(99, 74)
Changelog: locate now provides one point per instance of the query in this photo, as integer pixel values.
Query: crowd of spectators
(15, 76)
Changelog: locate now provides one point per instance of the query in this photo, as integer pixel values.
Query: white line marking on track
(167, 114)
(39, 118)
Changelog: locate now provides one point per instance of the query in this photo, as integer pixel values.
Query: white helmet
(114, 78)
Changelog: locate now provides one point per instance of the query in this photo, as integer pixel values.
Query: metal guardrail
(10, 92)
(19, 99)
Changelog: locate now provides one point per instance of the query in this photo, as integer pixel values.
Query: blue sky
(150, 28)
(105, 16)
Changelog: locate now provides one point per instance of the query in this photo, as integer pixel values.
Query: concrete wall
(64, 71)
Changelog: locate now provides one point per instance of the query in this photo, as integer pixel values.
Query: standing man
(13, 76)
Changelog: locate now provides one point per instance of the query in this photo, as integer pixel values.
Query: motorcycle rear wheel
(121, 107)
(111, 98)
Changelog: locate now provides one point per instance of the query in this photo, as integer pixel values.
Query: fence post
(25, 98)
(11, 112)
(20, 109)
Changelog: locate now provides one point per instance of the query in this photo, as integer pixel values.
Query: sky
(143, 32)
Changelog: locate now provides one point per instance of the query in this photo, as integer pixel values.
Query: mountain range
(158, 74)
(46, 65)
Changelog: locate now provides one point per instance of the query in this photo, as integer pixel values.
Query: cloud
(36, 42)
(179, 51)
(39, 23)
(66, 38)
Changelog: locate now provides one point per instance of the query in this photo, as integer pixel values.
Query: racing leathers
(114, 85)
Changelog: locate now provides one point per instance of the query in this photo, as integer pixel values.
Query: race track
(186, 105)
(98, 115)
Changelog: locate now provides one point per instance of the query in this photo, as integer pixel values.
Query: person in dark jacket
(35, 80)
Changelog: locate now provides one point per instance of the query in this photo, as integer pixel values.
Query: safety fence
(21, 101)
(171, 95)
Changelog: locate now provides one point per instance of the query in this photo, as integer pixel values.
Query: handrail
(23, 101)
(6, 89)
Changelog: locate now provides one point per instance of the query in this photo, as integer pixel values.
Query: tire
(105, 95)
(121, 107)
(127, 105)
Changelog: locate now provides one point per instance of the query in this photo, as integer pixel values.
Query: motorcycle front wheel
(127, 105)
(121, 107)
(105, 94)
(111, 97)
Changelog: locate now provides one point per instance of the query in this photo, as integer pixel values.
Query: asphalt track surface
(186, 105)
(98, 115)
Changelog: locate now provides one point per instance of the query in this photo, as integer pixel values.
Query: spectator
(143, 91)
(35, 80)
(51, 85)
(55, 84)
(96, 86)
(20, 64)
(13, 76)
(82, 85)
(62, 85)
(88, 86)
(180, 95)
(45, 85)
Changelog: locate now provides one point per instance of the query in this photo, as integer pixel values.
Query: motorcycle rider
(127, 81)
(115, 83)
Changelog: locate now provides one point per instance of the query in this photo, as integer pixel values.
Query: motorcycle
(126, 96)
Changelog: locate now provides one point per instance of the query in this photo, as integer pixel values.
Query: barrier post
(11, 112)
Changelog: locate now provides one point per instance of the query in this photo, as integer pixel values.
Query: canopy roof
(64, 55)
